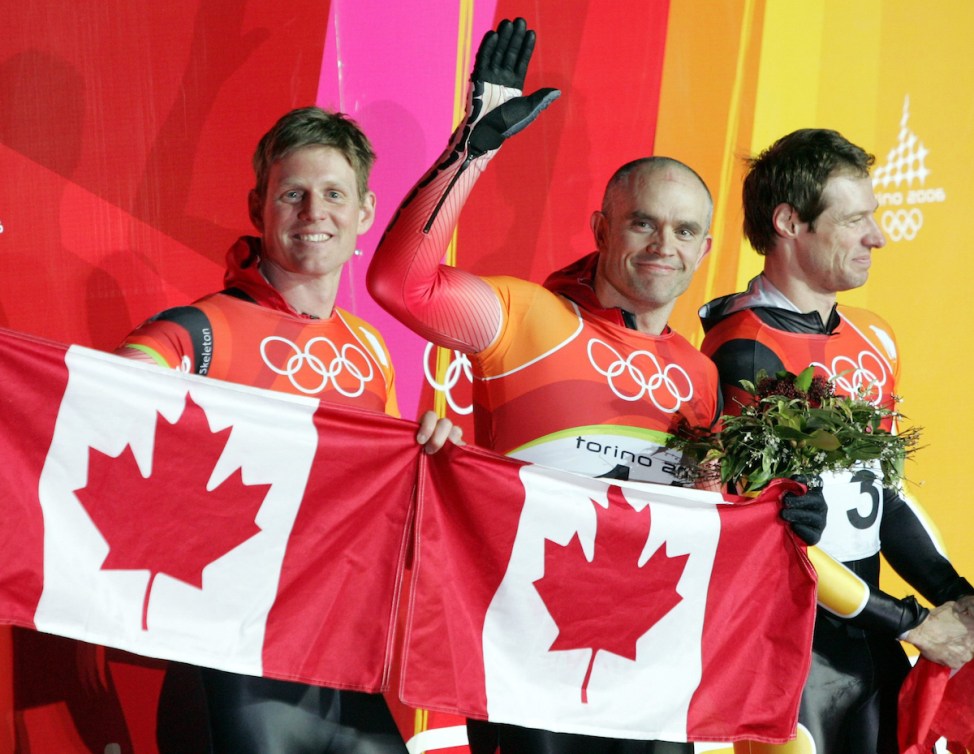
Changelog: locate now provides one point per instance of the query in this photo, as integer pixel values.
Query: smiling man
(586, 362)
(652, 234)
(310, 209)
(275, 325)
(808, 209)
(581, 373)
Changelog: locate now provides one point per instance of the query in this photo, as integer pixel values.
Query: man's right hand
(498, 108)
(946, 636)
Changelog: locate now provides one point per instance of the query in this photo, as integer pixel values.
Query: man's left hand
(806, 514)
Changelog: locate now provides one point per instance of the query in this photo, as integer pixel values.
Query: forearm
(446, 305)
(910, 547)
(847, 596)
(163, 340)
(443, 304)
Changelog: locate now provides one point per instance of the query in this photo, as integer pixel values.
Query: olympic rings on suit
(458, 368)
(639, 374)
(863, 377)
(320, 357)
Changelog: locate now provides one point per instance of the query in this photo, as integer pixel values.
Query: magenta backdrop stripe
(392, 67)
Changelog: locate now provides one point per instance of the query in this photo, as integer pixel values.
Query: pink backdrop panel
(393, 67)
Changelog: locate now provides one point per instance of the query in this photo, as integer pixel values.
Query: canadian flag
(185, 518)
(597, 607)
(179, 517)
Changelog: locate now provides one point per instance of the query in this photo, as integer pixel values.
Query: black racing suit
(850, 698)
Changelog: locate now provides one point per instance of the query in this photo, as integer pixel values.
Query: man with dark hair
(585, 362)
(796, 169)
(310, 203)
(808, 209)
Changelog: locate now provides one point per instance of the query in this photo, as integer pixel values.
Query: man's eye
(292, 196)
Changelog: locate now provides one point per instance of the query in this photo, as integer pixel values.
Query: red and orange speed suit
(247, 333)
(558, 379)
(849, 701)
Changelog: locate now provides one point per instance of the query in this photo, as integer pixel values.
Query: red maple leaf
(169, 523)
(612, 601)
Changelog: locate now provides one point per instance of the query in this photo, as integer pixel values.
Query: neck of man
(805, 298)
(313, 295)
(647, 318)
(652, 322)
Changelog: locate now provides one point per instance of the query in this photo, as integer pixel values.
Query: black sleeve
(195, 322)
(720, 409)
(911, 551)
(742, 359)
(889, 615)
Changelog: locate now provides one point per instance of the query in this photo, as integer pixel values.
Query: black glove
(806, 514)
(503, 55)
(502, 60)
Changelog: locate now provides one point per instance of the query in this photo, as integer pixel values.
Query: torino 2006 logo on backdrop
(900, 184)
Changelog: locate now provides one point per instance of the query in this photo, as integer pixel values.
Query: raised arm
(443, 304)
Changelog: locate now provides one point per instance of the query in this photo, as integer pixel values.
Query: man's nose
(313, 206)
(660, 243)
(876, 238)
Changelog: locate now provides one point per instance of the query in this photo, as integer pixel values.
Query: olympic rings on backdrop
(902, 224)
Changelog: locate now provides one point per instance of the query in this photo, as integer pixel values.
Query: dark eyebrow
(689, 224)
(640, 215)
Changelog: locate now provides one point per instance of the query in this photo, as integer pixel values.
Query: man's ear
(256, 208)
(366, 213)
(597, 223)
(785, 220)
(708, 242)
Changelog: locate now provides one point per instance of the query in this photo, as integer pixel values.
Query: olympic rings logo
(864, 378)
(458, 368)
(301, 366)
(902, 224)
(668, 387)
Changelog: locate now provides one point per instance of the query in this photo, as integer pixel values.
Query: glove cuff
(889, 615)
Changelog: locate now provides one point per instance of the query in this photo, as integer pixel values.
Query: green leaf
(758, 479)
(824, 440)
(804, 379)
(786, 432)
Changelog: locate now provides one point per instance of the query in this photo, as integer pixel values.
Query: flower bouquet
(796, 427)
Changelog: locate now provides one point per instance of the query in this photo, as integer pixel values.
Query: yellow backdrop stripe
(464, 34)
